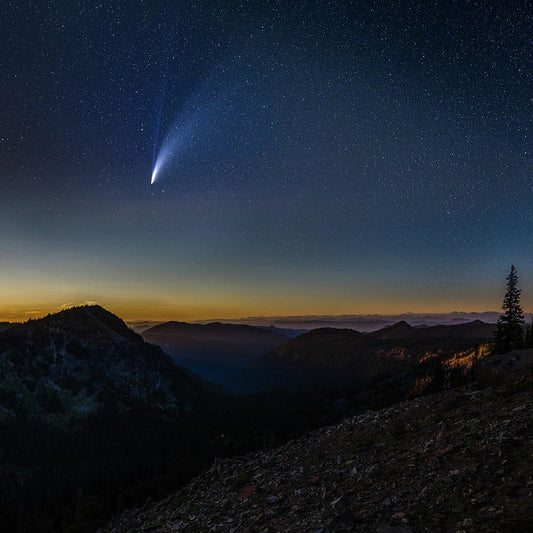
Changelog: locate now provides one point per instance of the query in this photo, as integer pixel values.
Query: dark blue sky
(316, 157)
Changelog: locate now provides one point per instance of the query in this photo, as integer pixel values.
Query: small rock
(247, 492)
(339, 503)
(370, 469)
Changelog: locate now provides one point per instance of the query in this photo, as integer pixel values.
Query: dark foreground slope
(455, 461)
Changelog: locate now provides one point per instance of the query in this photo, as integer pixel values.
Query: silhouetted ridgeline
(249, 359)
(472, 331)
(390, 359)
(216, 351)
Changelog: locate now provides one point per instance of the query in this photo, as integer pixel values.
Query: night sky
(313, 157)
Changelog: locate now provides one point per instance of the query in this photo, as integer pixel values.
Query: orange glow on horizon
(130, 311)
(221, 298)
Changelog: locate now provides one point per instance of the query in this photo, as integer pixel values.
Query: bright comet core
(155, 171)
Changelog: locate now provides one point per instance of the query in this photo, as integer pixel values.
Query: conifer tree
(509, 335)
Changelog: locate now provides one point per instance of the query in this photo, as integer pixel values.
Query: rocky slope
(459, 461)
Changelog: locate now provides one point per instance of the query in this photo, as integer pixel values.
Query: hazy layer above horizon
(365, 323)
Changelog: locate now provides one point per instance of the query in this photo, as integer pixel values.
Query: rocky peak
(82, 358)
(90, 321)
(399, 329)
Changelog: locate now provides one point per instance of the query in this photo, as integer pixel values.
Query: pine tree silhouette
(509, 335)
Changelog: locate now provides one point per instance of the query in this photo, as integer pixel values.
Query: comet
(165, 154)
(156, 164)
(154, 176)
(156, 168)
(159, 117)
(191, 124)
(173, 144)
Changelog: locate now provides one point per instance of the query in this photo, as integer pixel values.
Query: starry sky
(313, 156)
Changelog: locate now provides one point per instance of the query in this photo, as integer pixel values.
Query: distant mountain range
(248, 358)
(362, 323)
(330, 358)
(371, 322)
(216, 351)
(239, 337)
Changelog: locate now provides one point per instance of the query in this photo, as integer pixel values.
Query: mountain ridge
(216, 351)
(475, 329)
(213, 331)
(82, 358)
